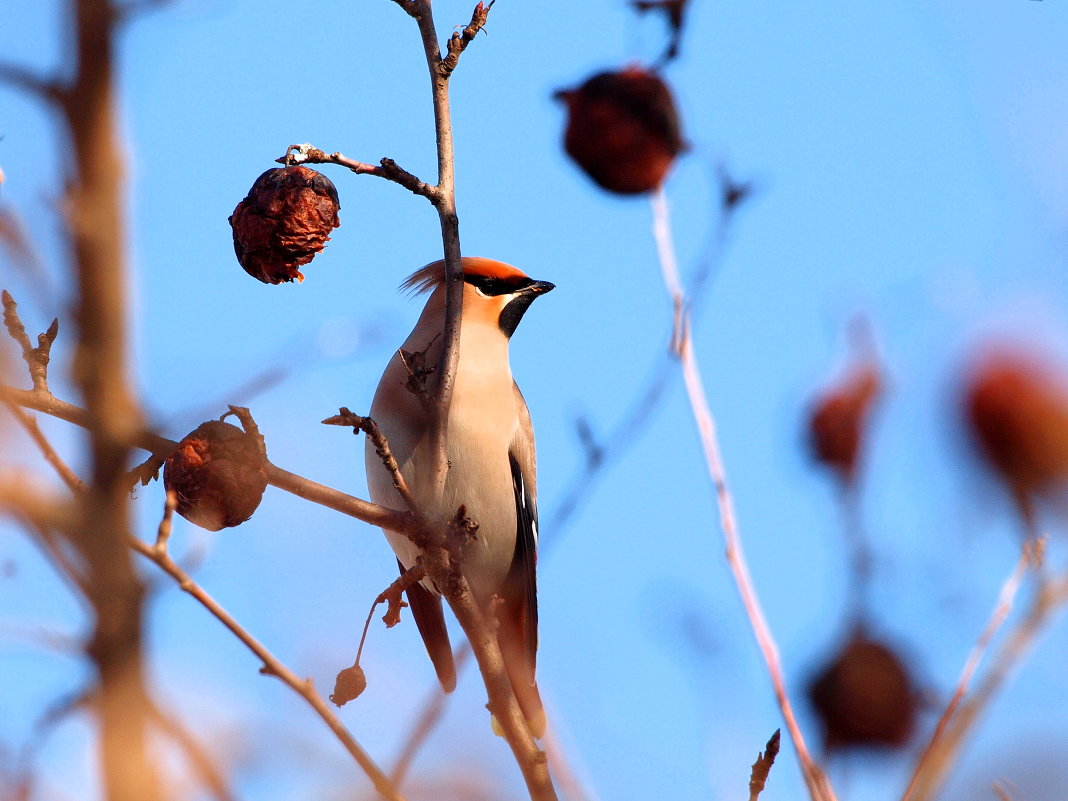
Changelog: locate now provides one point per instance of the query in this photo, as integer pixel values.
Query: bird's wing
(518, 617)
(401, 418)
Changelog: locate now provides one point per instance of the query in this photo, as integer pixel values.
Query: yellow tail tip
(536, 727)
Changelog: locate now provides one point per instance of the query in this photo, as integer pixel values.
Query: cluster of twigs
(961, 712)
(88, 535)
(110, 415)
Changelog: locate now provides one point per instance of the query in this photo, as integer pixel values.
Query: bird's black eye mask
(497, 286)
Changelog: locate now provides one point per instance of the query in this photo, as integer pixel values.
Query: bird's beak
(539, 288)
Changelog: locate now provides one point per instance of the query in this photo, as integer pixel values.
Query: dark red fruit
(219, 474)
(836, 426)
(623, 130)
(865, 697)
(284, 221)
(1017, 409)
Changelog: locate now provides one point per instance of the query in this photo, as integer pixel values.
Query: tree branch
(72, 481)
(1051, 595)
(444, 569)
(36, 358)
(39, 509)
(45, 89)
(459, 41)
(95, 223)
(388, 168)
(818, 786)
(1029, 558)
(402, 522)
(381, 446)
(272, 666)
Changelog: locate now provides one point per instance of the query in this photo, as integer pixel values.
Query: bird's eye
(492, 287)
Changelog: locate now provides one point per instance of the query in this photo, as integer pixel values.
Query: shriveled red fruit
(865, 697)
(1017, 408)
(218, 473)
(285, 219)
(623, 130)
(836, 425)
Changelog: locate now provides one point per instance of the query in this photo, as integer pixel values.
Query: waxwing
(491, 464)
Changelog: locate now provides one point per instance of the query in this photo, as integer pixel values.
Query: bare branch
(388, 168)
(381, 445)
(36, 358)
(459, 41)
(818, 786)
(159, 555)
(62, 469)
(955, 724)
(46, 89)
(621, 436)
(271, 665)
(439, 562)
(161, 447)
(1030, 556)
(195, 753)
(502, 703)
(409, 6)
(432, 712)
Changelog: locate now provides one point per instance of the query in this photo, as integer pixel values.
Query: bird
(491, 457)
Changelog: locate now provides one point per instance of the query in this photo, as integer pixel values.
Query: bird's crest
(430, 277)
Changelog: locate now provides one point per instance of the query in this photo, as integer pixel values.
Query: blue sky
(910, 161)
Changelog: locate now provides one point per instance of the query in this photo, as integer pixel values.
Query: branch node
(418, 372)
(50, 90)
(36, 358)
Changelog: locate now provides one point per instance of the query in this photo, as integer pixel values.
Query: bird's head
(495, 293)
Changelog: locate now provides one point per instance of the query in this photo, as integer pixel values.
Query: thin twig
(432, 712)
(1051, 595)
(36, 358)
(1030, 556)
(570, 785)
(55, 714)
(344, 417)
(818, 786)
(195, 753)
(351, 682)
(19, 77)
(72, 481)
(622, 436)
(272, 666)
(387, 168)
(758, 776)
(459, 41)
